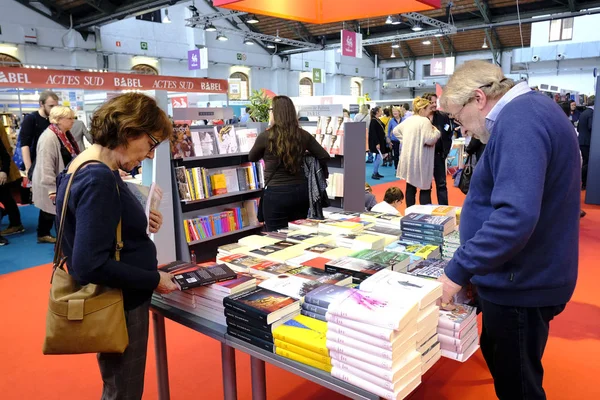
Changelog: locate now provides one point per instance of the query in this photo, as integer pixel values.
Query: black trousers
(411, 194)
(45, 223)
(396, 153)
(10, 205)
(513, 340)
(439, 175)
(283, 204)
(585, 155)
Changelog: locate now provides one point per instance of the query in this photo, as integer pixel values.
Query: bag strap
(272, 175)
(59, 259)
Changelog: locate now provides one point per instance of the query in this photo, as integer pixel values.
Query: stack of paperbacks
(458, 332)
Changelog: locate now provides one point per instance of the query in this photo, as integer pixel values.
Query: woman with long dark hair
(282, 146)
(377, 143)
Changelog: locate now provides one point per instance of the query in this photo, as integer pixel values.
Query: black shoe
(3, 241)
(582, 214)
(375, 177)
(379, 175)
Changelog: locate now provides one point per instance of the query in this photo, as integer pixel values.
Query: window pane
(555, 29)
(427, 70)
(567, 29)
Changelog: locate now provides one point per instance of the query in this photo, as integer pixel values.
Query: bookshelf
(206, 248)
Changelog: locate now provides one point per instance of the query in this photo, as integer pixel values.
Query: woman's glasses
(155, 143)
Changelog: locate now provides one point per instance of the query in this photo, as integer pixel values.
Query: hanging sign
(193, 59)
(320, 110)
(441, 66)
(63, 79)
(351, 44)
(317, 75)
(179, 102)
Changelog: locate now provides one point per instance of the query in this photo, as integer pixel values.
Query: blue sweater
(520, 221)
(89, 239)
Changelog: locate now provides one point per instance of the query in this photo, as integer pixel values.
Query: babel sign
(64, 79)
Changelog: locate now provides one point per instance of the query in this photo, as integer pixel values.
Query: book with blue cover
(324, 295)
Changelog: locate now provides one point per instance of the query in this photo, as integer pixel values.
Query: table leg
(259, 381)
(229, 376)
(160, 348)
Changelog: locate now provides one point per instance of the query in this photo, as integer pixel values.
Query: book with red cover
(317, 262)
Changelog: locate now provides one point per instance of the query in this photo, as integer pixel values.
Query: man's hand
(52, 197)
(156, 221)
(3, 178)
(449, 289)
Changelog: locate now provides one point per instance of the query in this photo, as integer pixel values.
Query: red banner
(65, 79)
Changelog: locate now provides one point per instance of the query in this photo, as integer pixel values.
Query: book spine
(361, 383)
(263, 344)
(351, 333)
(313, 315)
(422, 238)
(419, 225)
(360, 355)
(426, 232)
(314, 308)
(299, 341)
(247, 320)
(261, 334)
(244, 309)
(446, 323)
(205, 181)
(376, 331)
(451, 333)
(325, 359)
(301, 359)
(359, 345)
(374, 379)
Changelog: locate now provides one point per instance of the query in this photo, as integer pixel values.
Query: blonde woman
(417, 136)
(55, 149)
(397, 115)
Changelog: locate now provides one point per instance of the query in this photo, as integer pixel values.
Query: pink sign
(348, 43)
(179, 102)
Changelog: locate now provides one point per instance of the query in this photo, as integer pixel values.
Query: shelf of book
(220, 199)
(188, 159)
(307, 372)
(222, 235)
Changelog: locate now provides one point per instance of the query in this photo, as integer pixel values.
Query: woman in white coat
(55, 149)
(417, 136)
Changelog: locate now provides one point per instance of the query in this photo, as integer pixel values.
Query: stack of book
(382, 220)
(251, 315)
(432, 209)
(335, 185)
(317, 302)
(458, 332)
(427, 293)
(427, 229)
(303, 339)
(340, 227)
(392, 260)
(340, 214)
(389, 235)
(451, 244)
(415, 250)
(429, 269)
(361, 241)
(358, 269)
(298, 282)
(372, 342)
(305, 225)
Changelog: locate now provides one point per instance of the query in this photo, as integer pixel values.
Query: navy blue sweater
(520, 221)
(89, 240)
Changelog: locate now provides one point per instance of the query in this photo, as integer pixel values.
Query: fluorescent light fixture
(248, 42)
(393, 54)
(39, 67)
(427, 42)
(222, 37)
(45, 67)
(90, 70)
(396, 21)
(252, 19)
(417, 27)
(396, 45)
(278, 39)
(210, 28)
(484, 46)
(271, 46)
(439, 34)
(389, 20)
(166, 19)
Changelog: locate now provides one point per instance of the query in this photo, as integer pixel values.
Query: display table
(258, 357)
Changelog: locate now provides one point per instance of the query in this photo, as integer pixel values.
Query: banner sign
(193, 114)
(441, 66)
(317, 75)
(179, 102)
(351, 44)
(320, 111)
(63, 79)
(193, 59)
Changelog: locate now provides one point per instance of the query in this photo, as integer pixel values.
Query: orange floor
(571, 358)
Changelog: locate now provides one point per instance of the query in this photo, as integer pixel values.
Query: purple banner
(194, 59)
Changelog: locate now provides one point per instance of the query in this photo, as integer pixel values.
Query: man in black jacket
(585, 135)
(443, 123)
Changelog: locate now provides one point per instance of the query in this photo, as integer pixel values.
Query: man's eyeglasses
(155, 143)
(455, 116)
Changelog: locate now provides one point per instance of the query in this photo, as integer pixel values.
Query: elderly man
(524, 196)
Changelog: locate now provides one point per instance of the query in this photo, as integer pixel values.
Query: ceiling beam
(450, 44)
(572, 5)
(103, 6)
(441, 45)
(56, 13)
(495, 51)
(128, 10)
(416, 17)
(484, 9)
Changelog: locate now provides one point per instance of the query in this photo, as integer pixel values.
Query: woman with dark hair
(126, 130)
(377, 143)
(282, 146)
(573, 113)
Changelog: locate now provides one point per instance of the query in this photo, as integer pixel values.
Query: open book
(149, 197)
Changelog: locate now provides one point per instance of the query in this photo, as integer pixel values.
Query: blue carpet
(23, 250)
(389, 175)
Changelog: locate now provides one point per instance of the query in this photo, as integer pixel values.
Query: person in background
(126, 130)
(442, 148)
(346, 115)
(417, 136)
(476, 148)
(407, 112)
(522, 197)
(246, 117)
(365, 116)
(574, 113)
(56, 149)
(397, 117)
(32, 127)
(282, 146)
(9, 174)
(392, 200)
(385, 118)
(584, 127)
(566, 107)
(377, 142)
(79, 131)
(370, 199)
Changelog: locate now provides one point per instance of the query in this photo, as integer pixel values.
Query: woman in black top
(377, 142)
(282, 146)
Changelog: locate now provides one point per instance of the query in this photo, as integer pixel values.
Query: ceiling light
(427, 42)
(222, 38)
(278, 39)
(439, 34)
(393, 54)
(166, 19)
(45, 67)
(252, 19)
(271, 46)
(484, 46)
(417, 27)
(389, 20)
(396, 21)
(396, 45)
(248, 41)
(210, 28)
(39, 67)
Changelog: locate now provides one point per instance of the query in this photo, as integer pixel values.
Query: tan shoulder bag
(83, 319)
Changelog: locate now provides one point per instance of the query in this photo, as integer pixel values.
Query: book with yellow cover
(218, 183)
(302, 352)
(301, 359)
(444, 211)
(305, 332)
